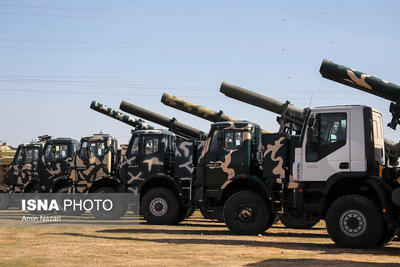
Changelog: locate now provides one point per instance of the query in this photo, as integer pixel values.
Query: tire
(246, 213)
(69, 212)
(296, 222)
(354, 221)
(219, 213)
(273, 218)
(207, 213)
(4, 201)
(182, 215)
(116, 212)
(160, 206)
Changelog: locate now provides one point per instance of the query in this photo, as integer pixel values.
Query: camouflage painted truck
(288, 122)
(356, 193)
(158, 164)
(6, 157)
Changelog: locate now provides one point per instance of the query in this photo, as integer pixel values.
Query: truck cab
(57, 160)
(339, 166)
(340, 141)
(159, 166)
(23, 173)
(95, 165)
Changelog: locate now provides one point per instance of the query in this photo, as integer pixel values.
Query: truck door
(325, 150)
(57, 162)
(226, 158)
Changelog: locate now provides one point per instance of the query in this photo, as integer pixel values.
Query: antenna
(309, 104)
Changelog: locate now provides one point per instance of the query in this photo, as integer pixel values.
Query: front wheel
(160, 206)
(246, 213)
(354, 221)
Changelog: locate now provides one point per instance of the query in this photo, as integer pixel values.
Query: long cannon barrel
(259, 100)
(174, 126)
(137, 124)
(359, 80)
(196, 110)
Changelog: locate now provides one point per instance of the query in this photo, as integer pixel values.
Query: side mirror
(311, 121)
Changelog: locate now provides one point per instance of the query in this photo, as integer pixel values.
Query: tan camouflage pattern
(197, 110)
(86, 171)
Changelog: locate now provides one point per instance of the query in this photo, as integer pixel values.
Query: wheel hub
(245, 214)
(353, 223)
(158, 206)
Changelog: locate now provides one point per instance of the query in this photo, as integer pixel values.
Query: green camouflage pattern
(219, 164)
(42, 173)
(360, 80)
(137, 124)
(173, 125)
(196, 110)
(95, 160)
(23, 174)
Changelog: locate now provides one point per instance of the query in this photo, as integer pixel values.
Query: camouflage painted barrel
(194, 109)
(359, 80)
(137, 124)
(197, 110)
(174, 126)
(259, 100)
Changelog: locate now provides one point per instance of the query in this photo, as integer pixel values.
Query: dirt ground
(194, 242)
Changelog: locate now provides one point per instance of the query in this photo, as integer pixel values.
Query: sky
(58, 56)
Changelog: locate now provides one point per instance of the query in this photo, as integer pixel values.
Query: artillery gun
(172, 124)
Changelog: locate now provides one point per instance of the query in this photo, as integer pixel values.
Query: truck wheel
(119, 206)
(271, 220)
(160, 206)
(4, 201)
(207, 213)
(246, 213)
(354, 221)
(296, 222)
(69, 211)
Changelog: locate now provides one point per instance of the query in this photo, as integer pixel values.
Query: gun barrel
(194, 109)
(360, 80)
(197, 110)
(259, 100)
(138, 124)
(174, 126)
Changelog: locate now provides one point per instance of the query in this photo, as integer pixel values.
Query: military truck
(158, 164)
(6, 157)
(355, 192)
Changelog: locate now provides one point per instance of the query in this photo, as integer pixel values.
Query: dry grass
(194, 242)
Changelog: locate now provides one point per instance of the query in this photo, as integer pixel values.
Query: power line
(56, 8)
(45, 15)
